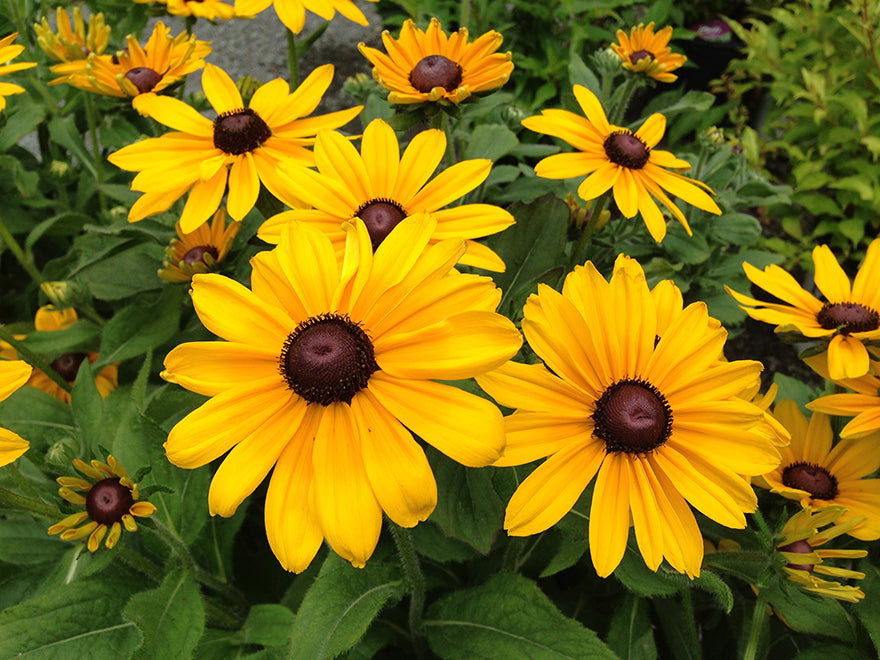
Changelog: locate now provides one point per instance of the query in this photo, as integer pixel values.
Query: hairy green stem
(759, 618)
(589, 230)
(10, 242)
(412, 571)
(36, 507)
(33, 359)
(292, 59)
(91, 116)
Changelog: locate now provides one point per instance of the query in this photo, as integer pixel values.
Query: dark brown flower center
(240, 131)
(197, 254)
(435, 71)
(640, 55)
(108, 501)
(802, 548)
(67, 365)
(817, 481)
(328, 358)
(380, 216)
(848, 317)
(632, 416)
(625, 149)
(143, 78)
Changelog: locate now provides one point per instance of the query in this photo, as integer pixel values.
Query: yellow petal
(829, 277)
(847, 358)
(11, 446)
(211, 367)
(610, 515)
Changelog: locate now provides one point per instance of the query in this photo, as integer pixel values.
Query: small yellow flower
(293, 12)
(802, 535)
(71, 43)
(110, 499)
(200, 250)
(645, 51)
(8, 52)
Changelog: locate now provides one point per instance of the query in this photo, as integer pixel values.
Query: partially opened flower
(71, 45)
(163, 61)
(8, 52)
(13, 374)
(818, 475)
(381, 187)
(645, 51)
(293, 12)
(430, 66)
(327, 370)
(802, 535)
(110, 499)
(615, 158)
(242, 146)
(211, 10)
(635, 394)
(66, 365)
(848, 319)
(199, 251)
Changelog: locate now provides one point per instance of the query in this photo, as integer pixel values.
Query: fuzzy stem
(759, 617)
(10, 242)
(292, 59)
(412, 571)
(589, 230)
(40, 509)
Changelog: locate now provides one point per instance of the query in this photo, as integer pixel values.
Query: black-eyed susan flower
(71, 45)
(647, 52)
(111, 501)
(211, 10)
(163, 61)
(9, 51)
(200, 250)
(818, 475)
(327, 370)
(638, 398)
(381, 187)
(242, 146)
(13, 374)
(848, 319)
(618, 159)
(293, 12)
(863, 405)
(430, 66)
(802, 535)
(66, 365)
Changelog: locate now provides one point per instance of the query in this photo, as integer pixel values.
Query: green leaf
(24, 541)
(808, 613)
(490, 141)
(137, 329)
(679, 629)
(631, 635)
(641, 580)
(55, 342)
(268, 625)
(868, 609)
(736, 229)
(122, 274)
(77, 620)
(340, 606)
(857, 183)
(63, 131)
(580, 74)
(30, 412)
(25, 118)
(88, 405)
(710, 582)
(170, 618)
(507, 617)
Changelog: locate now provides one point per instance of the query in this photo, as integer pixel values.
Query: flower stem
(40, 509)
(412, 571)
(615, 117)
(33, 359)
(96, 149)
(292, 59)
(759, 617)
(10, 242)
(589, 230)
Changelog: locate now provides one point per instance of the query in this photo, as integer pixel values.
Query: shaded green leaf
(136, 329)
(490, 141)
(631, 635)
(268, 625)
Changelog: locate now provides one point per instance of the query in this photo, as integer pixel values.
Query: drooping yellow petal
(610, 515)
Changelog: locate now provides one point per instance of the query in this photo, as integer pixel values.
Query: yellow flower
(845, 323)
(162, 62)
(643, 51)
(431, 66)
(71, 45)
(618, 159)
(293, 12)
(863, 405)
(381, 187)
(13, 374)
(110, 499)
(200, 250)
(211, 10)
(637, 397)
(8, 52)
(802, 535)
(242, 145)
(66, 365)
(818, 476)
(327, 370)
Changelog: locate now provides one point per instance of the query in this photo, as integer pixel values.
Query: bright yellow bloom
(13, 374)
(293, 12)
(381, 187)
(618, 159)
(211, 10)
(431, 66)
(845, 323)
(8, 52)
(634, 394)
(200, 250)
(802, 535)
(162, 62)
(643, 51)
(71, 45)
(110, 501)
(327, 370)
(818, 476)
(863, 405)
(242, 146)
(66, 365)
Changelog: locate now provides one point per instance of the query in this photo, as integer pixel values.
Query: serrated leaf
(631, 634)
(136, 329)
(77, 620)
(339, 607)
(170, 618)
(507, 617)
